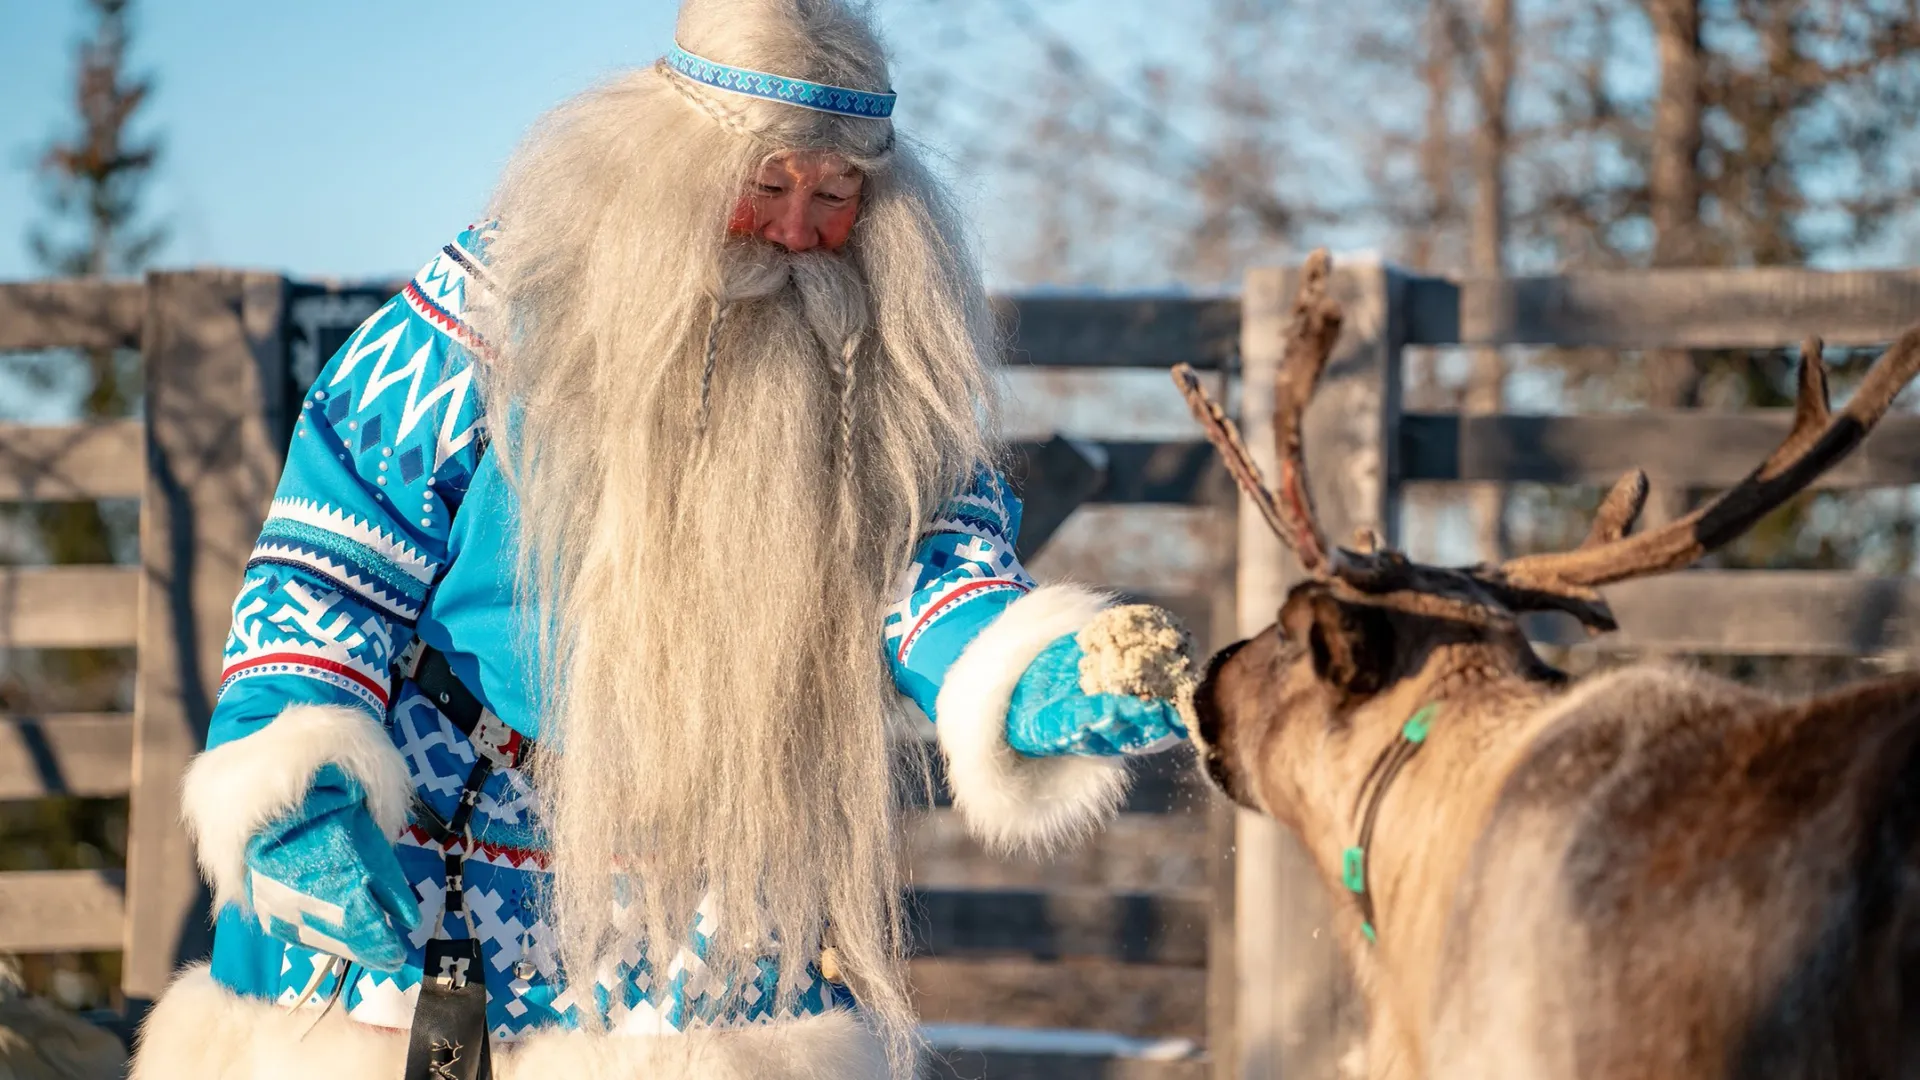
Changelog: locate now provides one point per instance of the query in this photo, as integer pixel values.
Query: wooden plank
(1675, 446)
(1096, 995)
(1011, 1065)
(1223, 961)
(1052, 478)
(68, 607)
(1264, 852)
(1159, 550)
(72, 314)
(1750, 307)
(1134, 851)
(1099, 403)
(213, 361)
(61, 910)
(982, 1050)
(1052, 924)
(1219, 850)
(1297, 1009)
(1162, 783)
(1757, 613)
(67, 462)
(1178, 473)
(1183, 472)
(88, 754)
(1220, 846)
(1120, 330)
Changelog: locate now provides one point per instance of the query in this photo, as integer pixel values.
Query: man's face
(801, 200)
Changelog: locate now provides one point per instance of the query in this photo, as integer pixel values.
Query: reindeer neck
(1405, 827)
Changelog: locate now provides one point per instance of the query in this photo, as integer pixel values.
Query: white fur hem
(234, 790)
(198, 1030)
(1008, 800)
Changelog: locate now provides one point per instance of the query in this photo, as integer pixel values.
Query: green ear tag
(1355, 870)
(1416, 728)
(1367, 929)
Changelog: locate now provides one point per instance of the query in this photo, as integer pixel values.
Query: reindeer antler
(1566, 581)
(1819, 440)
(1287, 508)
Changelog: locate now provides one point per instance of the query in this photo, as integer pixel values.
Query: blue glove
(325, 877)
(1052, 714)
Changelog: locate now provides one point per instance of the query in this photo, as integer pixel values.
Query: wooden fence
(203, 466)
(1189, 934)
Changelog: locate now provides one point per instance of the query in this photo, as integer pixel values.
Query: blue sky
(326, 139)
(337, 139)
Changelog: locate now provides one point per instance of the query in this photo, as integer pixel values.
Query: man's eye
(830, 198)
(770, 189)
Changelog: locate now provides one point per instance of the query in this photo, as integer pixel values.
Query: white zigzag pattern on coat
(385, 544)
(375, 592)
(448, 281)
(454, 388)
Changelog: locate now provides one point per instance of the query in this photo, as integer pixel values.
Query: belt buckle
(496, 741)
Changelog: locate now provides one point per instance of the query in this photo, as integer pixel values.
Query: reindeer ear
(1352, 645)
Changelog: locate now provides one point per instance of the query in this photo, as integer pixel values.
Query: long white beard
(723, 725)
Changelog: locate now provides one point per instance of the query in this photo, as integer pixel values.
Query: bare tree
(98, 170)
(1492, 60)
(1439, 69)
(1673, 196)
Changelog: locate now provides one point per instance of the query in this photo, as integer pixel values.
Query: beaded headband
(798, 92)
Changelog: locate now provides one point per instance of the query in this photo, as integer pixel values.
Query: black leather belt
(504, 747)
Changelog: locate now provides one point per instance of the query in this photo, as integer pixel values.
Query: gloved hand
(1116, 687)
(325, 877)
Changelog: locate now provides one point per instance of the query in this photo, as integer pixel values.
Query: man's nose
(789, 227)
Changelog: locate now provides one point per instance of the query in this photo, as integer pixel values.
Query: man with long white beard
(554, 738)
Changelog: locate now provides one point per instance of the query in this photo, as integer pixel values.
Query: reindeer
(1648, 873)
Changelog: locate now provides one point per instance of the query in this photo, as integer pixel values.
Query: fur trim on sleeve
(233, 791)
(1008, 800)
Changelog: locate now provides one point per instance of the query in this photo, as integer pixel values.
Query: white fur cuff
(1008, 800)
(233, 791)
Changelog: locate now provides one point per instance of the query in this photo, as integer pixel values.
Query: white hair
(723, 455)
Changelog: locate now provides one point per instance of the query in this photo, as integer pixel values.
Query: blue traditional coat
(390, 524)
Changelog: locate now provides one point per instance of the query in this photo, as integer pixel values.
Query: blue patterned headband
(807, 95)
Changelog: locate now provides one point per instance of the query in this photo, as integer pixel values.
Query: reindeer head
(1369, 634)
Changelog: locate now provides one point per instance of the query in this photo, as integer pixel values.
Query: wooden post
(1223, 979)
(1299, 1014)
(211, 349)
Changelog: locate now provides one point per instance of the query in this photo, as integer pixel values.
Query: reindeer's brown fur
(1649, 873)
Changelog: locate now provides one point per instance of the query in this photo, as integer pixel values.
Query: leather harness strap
(1354, 870)
(498, 744)
(448, 1039)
